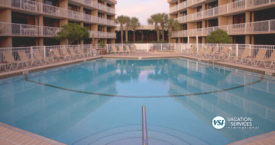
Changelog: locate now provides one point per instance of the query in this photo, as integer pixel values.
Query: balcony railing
(241, 5)
(259, 27)
(36, 7)
(182, 19)
(12, 29)
(194, 2)
(96, 5)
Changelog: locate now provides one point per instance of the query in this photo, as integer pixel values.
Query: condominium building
(36, 22)
(246, 21)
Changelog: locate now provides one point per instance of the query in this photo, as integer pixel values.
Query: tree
(73, 33)
(155, 20)
(134, 24)
(163, 24)
(172, 25)
(121, 20)
(218, 36)
(127, 27)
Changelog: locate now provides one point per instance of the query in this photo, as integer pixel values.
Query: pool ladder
(144, 127)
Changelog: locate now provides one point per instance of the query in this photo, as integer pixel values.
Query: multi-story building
(36, 22)
(246, 21)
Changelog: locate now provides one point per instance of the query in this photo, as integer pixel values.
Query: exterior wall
(224, 11)
(37, 30)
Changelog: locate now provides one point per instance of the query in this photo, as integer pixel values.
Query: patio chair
(224, 53)
(73, 53)
(214, 52)
(8, 59)
(201, 52)
(244, 57)
(65, 53)
(24, 59)
(120, 49)
(56, 55)
(207, 52)
(114, 49)
(127, 49)
(81, 52)
(270, 60)
(259, 57)
(38, 58)
(133, 48)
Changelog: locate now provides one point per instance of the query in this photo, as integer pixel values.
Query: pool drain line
(124, 96)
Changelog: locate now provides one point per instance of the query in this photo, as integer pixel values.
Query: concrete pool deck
(10, 135)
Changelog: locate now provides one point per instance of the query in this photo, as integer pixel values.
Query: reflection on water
(78, 118)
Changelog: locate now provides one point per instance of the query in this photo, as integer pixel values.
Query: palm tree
(134, 24)
(121, 21)
(172, 25)
(163, 24)
(155, 20)
(127, 27)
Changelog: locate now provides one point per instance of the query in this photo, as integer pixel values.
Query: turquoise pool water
(99, 102)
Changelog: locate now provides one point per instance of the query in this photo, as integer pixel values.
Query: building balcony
(182, 19)
(192, 3)
(96, 5)
(51, 11)
(25, 30)
(229, 9)
(259, 27)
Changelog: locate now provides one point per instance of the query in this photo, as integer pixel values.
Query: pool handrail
(144, 127)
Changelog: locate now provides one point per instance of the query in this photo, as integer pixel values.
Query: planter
(102, 52)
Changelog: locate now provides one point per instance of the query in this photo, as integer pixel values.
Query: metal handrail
(144, 127)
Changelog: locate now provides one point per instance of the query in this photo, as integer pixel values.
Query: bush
(218, 36)
(73, 32)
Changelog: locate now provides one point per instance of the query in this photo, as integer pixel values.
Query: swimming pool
(99, 102)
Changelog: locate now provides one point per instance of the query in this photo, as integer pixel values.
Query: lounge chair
(201, 52)
(65, 53)
(120, 49)
(133, 49)
(127, 49)
(270, 60)
(114, 49)
(9, 60)
(81, 52)
(207, 52)
(259, 57)
(224, 53)
(38, 58)
(56, 55)
(73, 53)
(24, 59)
(214, 52)
(244, 57)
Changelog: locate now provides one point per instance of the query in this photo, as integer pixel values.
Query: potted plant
(102, 45)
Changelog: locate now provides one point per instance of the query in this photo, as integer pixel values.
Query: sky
(142, 9)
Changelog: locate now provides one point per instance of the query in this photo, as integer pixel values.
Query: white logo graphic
(218, 122)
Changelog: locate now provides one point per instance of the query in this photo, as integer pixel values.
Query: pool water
(99, 102)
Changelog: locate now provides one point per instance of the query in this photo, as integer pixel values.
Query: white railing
(226, 9)
(13, 29)
(258, 27)
(37, 7)
(182, 19)
(194, 2)
(89, 50)
(174, 9)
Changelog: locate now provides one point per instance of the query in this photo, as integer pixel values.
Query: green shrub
(218, 36)
(73, 33)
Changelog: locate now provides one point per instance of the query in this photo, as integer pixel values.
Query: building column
(5, 16)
